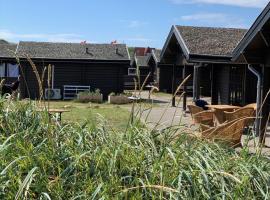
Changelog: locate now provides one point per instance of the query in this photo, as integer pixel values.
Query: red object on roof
(142, 51)
(114, 42)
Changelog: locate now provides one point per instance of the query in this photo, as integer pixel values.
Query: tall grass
(42, 160)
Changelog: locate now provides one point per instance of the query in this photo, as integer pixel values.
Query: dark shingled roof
(256, 28)
(142, 61)
(3, 41)
(211, 41)
(73, 51)
(7, 50)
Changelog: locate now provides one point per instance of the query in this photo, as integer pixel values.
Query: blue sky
(134, 22)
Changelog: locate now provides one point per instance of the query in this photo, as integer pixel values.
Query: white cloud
(214, 19)
(138, 39)
(204, 17)
(62, 37)
(241, 3)
(134, 23)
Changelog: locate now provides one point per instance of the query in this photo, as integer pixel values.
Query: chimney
(116, 51)
(86, 50)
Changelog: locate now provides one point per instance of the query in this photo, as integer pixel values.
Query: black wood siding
(205, 81)
(221, 78)
(108, 77)
(165, 78)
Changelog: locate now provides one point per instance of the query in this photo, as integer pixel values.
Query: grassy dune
(42, 160)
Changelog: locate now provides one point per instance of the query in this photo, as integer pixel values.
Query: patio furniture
(228, 133)
(194, 109)
(52, 112)
(204, 117)
(252, 105)
(245, 112)
(71, 91)
(219, 110)
(204, 127)
(149, 87)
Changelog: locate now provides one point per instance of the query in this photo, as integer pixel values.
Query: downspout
(52, 76)
(194, 82)
(258, 102)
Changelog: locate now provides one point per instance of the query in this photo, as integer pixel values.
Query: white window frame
(132, 71)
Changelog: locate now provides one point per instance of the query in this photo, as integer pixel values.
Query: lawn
(116, 116)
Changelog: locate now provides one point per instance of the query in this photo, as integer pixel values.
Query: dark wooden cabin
(254, 49)
(154, 64)
(205, 53)
(139, 68)
(141, 64)
(100, 66)
(9, 69)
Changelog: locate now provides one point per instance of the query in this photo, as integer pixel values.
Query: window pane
(2, 70)
(13, 70)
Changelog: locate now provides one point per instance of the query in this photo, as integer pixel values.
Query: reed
(42, 160)
(39, 79)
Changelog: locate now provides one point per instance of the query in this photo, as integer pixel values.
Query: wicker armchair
(252, 105)
(245, 112)
(194, 109)
(229, 133)
(204, 117)
(204, 127)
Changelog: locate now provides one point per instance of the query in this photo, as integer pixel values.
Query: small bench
(53, 111)
(71, 91)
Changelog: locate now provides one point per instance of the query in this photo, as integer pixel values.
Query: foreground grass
(39, 160)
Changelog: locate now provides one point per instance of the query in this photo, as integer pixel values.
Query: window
(132, 71)
(12, 70)
(2, 70)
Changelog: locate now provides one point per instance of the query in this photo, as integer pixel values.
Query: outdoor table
(133, 99)
(52, 111)
(219, 112)
(150, 88)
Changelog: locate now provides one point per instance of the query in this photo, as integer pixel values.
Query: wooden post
(194, 83)
(196, 94)
(173, 86)
(185, 89)
(214, 93)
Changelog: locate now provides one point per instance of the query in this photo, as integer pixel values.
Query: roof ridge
(74, 43)
(211, 27)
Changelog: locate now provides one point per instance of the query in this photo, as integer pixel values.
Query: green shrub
(42, 160)
(86, 97)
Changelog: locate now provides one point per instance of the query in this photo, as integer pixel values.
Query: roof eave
(252, 32)
(75, 59)
(197, 58)
(184, 48)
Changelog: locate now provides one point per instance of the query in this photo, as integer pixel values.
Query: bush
(86, 97)
(42, 160)
(119, 98)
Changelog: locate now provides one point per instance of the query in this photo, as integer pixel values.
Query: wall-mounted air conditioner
(53, 93)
